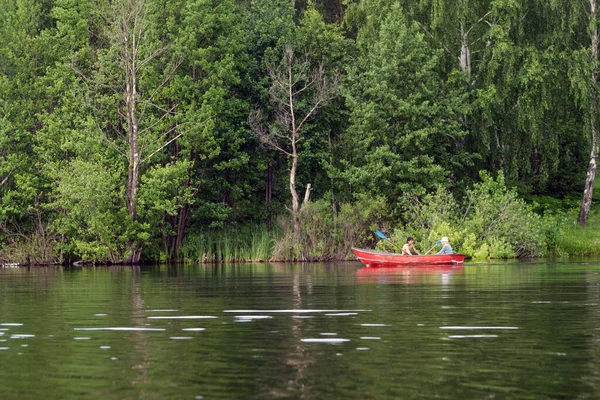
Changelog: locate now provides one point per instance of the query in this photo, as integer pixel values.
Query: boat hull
(374, 258)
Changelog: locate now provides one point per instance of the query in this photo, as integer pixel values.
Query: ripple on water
(479, 327)
(471, 336)
(21, 336)
(375, 325)
(295, 311)
(180, 337)
(183, 317)
(340, 314)
(11, 324)
(120, 329)
(193, 329)
(325, 340)
(253, 316)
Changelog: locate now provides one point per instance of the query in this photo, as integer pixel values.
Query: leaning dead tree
(298, 89)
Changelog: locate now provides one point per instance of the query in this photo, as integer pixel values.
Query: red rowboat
(374, 258)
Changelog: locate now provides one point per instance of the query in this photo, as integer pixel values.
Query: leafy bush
(326, 234)
(492, 222)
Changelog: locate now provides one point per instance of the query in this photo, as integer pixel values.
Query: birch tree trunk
(131, 26)
(593, 114)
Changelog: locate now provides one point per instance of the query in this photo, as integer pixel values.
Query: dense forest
(156, 130)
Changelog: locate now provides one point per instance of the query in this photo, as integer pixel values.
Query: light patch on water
(82, 338)
(325, 340)
(181, 337)
(362, 348)
(11, 324)
(558, 354)
(338, 354)
(105, 347)
(242, 320)
(541, 302)
(193, 329)
(4, 348)
(162, 310)
(184, 317)
(1, 333)
(114, 358)
(3, 329)
(21, 336)
(3, 340)
(328, 334)
(253, 316)
(100, 315)
(199, 397)
(420, 324)
(471, 336)
(478, 327)
(119, 329)
(302, 316)
(370, 338)
(341, 314)
(375, 325)
(298, 311)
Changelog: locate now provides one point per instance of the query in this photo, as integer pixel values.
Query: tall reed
(246, 244)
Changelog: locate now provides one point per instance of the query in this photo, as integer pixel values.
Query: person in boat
(446, 248)
(409, 247)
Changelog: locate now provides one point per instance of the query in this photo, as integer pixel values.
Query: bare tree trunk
(307, 194)
(134, 151)
(130, 43)
(591, 173)
(181, 224)
(588, 191)
(465, 52)
(269, 195)
(294, 192)
(291, 81)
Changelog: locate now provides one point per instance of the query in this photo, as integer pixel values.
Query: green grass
(249, 244)
(574, 240)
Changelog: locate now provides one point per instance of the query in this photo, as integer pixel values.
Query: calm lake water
(313, 331)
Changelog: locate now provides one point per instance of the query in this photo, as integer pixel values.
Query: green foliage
(401, 147)
(567, 238)
(326, 234)
(492, 222)
(92, 217)
(405, 123)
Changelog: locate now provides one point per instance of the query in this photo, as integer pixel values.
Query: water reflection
(408, 275)
(520, 330)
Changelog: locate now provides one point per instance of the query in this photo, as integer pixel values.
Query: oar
(436, 244)
(381, 235)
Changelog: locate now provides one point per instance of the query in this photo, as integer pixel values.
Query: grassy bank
(249, 244)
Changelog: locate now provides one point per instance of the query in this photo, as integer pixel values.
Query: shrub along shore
(490, 222)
